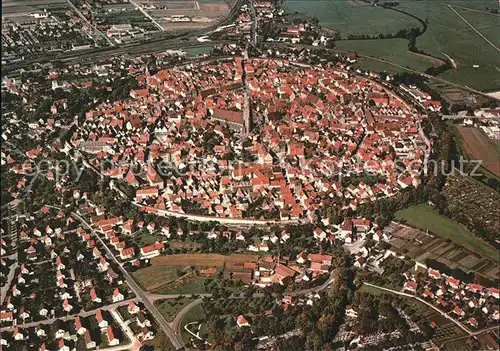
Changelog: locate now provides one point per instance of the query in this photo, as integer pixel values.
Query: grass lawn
(163, 271)
(194, 285)
(144, 238)
(423, 217)
(375, 66)
(170, 307)
(160, 342)
(352, 16)
(394, 50)
(371, 290)
(198, 50)
(195, 314)
(153, 277)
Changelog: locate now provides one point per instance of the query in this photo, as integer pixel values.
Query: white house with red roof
(112, 340)
(93, 296)
(6, 316)
(150, 251)
(166, 231)
(128, 227)
(411, 286)
(453, 283)
(133, 308)
(494, 292)
(101, 322)
(80, 329)
(241, 321)
(127, 253)
(433, 273)
(117, 295)
(475, 288)
(66, 306)
(17, 334)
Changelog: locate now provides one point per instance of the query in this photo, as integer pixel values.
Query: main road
(160, 43)
(140, 294)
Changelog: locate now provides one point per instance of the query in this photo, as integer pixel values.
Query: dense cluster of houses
(472, 304)
(66, 333)
(49, 259)
(43, 32)
(279, 270)
(321, 125)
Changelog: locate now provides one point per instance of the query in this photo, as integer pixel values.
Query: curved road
(176, 323)
(471, 333)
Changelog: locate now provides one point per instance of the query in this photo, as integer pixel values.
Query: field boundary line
(474, 29)
(468, 8)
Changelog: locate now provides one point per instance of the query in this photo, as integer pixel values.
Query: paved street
(140, 294)
(12, 232)
(71, 316)
(460, 325)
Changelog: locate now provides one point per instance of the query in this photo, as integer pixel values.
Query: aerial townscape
(250, 175)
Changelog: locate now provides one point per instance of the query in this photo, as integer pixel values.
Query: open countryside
(230, 175)
(352, 17)
(394, 50)
(447, 35)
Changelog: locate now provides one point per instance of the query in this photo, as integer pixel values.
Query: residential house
(112, 340)
(133, 308)
(80, 329)
(89, 343)
(241, 321)
(100, 319)
(93, 296)
(117, 295)
(142, 321)
(145, 334)
(152, 250)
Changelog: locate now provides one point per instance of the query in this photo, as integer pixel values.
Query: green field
(193, 286)
(170, 308)
(352, 16)
(394, 50)
(200, 50)
(423, 217)
(144, 238)
(447, 34)
(195, 314)
(153, 277)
